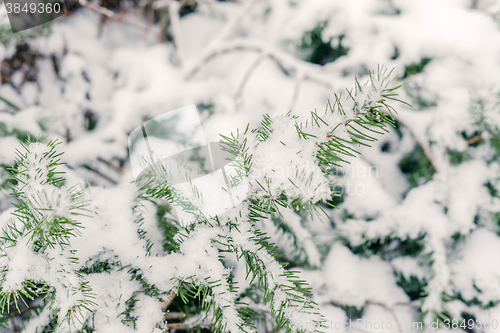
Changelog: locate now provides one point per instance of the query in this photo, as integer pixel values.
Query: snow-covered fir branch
(62, 246)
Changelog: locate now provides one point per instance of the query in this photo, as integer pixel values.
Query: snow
(478, 266)
(354, 281)
(408, 267)
(113, 290)
(365, 194)
(124, 77)
(8, 156)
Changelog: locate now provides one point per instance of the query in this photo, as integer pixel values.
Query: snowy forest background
(416, 232)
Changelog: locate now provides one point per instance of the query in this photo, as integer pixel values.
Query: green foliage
(300, 257)
(7, 36)
(457, 157)
(319, 51)
(98, 266)
(353, 312)
(492, 189)
(5, 181)
(387, 247)
(187, 7)
(190, 299)
(417, 168)
(47, 228)
(413, 286)
(470, 302)
(416, 68)
(495, 144)
(168, 227)
(485, 110)
(410, 246)
(91, 120)
(9, 131)
(206, 109)
(396, 53)
(45, 224)
(9, 103)
(421, 98)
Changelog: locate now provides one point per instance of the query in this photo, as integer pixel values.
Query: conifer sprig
(42, 233)
(332, 137)
(46, 207)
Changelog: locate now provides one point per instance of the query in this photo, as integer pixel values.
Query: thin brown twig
(110, 14)
(179, 326)
(168, 300)
(474, 139)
